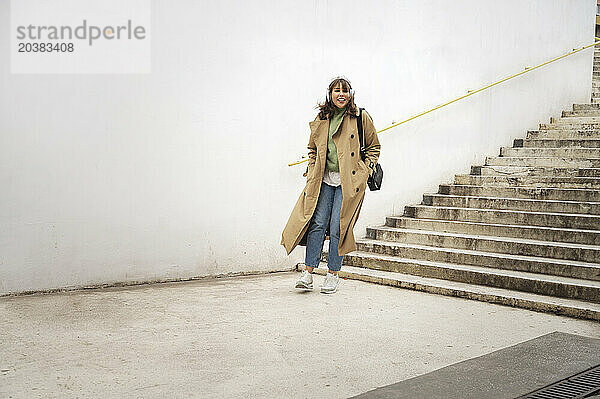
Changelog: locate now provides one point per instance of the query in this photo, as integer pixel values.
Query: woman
(335, 184)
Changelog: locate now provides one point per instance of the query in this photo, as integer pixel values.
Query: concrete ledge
(504, 374)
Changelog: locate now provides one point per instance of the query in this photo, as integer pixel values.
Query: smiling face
(340, 95)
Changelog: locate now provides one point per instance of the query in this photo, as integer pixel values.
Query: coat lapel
(319, 129)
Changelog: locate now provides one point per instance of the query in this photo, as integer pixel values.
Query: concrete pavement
(253, 336)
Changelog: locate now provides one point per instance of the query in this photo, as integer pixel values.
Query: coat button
(352, 154)
(351, 136)
(353, 172)
(356, 189)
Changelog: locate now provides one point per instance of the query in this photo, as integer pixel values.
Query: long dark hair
(326, 109)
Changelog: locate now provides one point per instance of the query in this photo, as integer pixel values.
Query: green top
(334, 123)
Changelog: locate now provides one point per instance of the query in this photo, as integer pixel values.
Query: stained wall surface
(183, 172)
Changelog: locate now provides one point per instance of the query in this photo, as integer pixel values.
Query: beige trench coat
(353, 175)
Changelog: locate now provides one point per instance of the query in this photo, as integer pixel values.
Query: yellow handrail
(470, 93)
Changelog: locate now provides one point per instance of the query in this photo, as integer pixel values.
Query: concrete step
(517, 204)
(528, 181)
(534, 171)
(581, 107)
(579, 116)
(571, 120)
(523, 300)
(574, 236)
(527, 218)
(581, 113)
(563, 134)
(547, 161)
(564, 152)
(563, 287)
(557, 143)
(570, 126)
(584, 257)
(534, 193)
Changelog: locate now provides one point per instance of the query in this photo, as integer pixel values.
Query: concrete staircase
(522, 230)
(596, 76)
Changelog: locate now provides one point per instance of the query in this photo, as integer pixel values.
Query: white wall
(183, 172)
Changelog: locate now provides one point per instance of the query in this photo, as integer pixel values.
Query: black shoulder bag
(376, 175)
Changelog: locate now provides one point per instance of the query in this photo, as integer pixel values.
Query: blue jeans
(327, 213)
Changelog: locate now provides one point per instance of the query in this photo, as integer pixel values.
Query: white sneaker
(305, 282)
(331, 283)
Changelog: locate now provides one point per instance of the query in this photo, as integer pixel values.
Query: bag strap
(361, 139)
